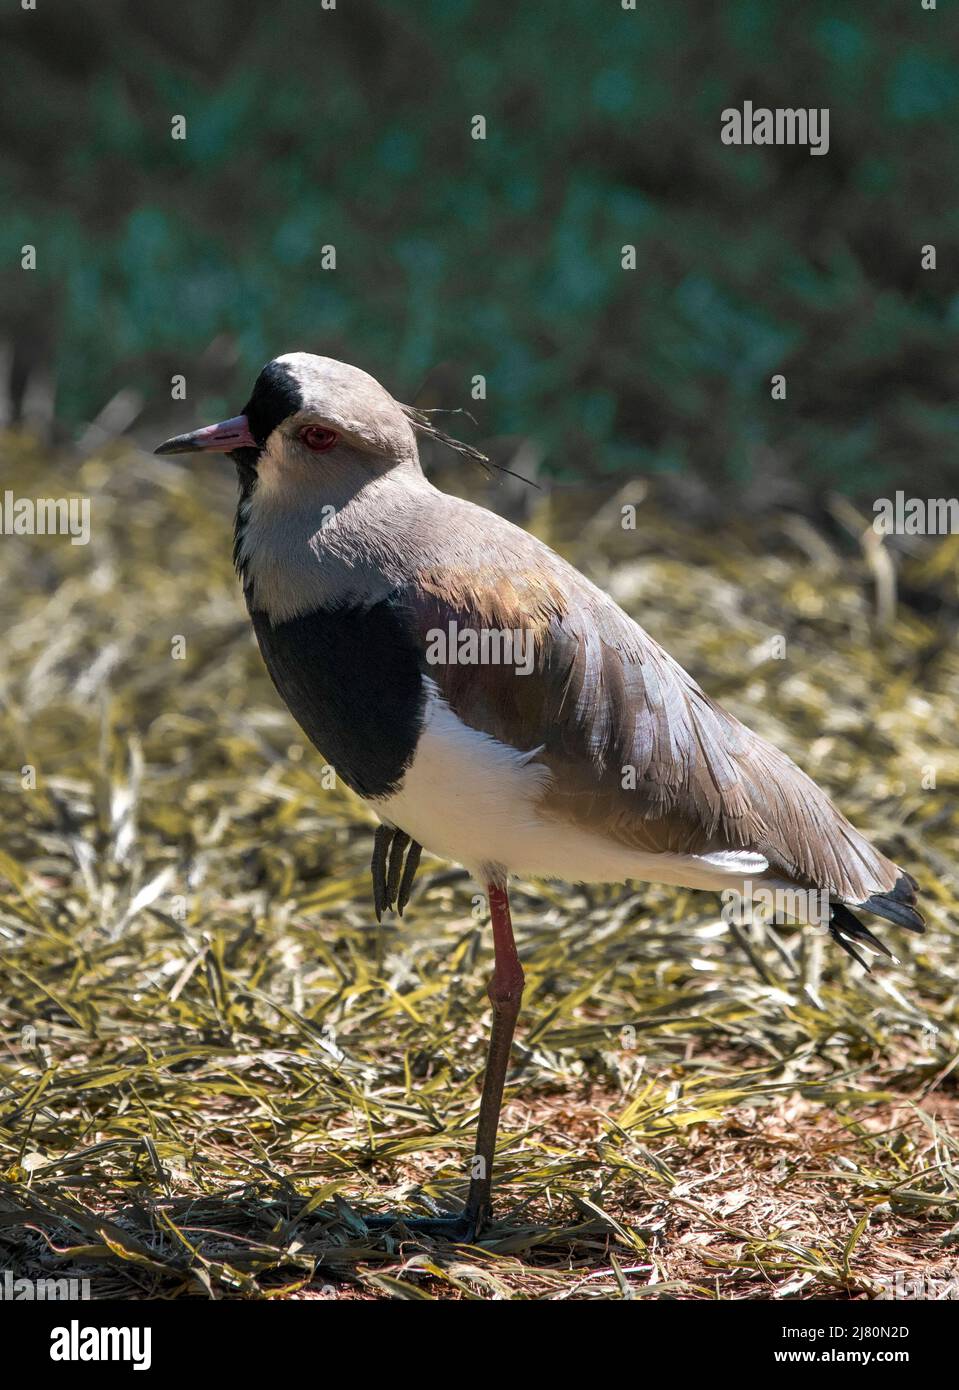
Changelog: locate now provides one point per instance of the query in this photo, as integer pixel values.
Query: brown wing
(636, 750)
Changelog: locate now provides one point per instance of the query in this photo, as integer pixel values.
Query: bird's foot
(461, 1229)
(392, 879)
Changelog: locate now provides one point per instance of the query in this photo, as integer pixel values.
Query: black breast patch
(351, 680)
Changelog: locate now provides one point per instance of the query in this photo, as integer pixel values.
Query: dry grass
(213, 1063)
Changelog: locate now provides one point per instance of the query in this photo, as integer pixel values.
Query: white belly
(471, 799)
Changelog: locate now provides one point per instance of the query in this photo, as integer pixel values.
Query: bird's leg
(505, 994)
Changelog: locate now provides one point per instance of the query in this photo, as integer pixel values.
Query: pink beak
(222, 438)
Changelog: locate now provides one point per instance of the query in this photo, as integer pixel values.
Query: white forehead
(319, 378)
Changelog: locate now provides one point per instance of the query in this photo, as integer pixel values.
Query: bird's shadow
(253, 1243)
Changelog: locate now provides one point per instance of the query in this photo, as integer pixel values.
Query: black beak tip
(180, 444)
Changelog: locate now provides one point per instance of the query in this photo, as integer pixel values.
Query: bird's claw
(392, 878)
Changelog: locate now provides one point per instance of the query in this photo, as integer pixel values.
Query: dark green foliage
(351, 127)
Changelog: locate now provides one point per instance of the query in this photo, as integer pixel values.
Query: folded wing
(636, 750)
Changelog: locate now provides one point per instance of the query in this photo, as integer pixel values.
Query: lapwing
(491, 704)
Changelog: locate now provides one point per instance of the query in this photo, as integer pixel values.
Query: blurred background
(350, 127)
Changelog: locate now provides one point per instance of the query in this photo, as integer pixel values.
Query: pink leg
(505, 994)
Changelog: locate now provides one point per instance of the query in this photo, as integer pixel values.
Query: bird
(491, 704)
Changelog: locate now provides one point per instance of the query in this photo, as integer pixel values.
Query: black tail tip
(898, 905)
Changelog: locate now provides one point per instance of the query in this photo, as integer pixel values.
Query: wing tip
(898, 905)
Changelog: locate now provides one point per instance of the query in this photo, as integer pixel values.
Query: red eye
(318, 439)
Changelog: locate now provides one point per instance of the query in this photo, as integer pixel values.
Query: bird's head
(311, 422)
